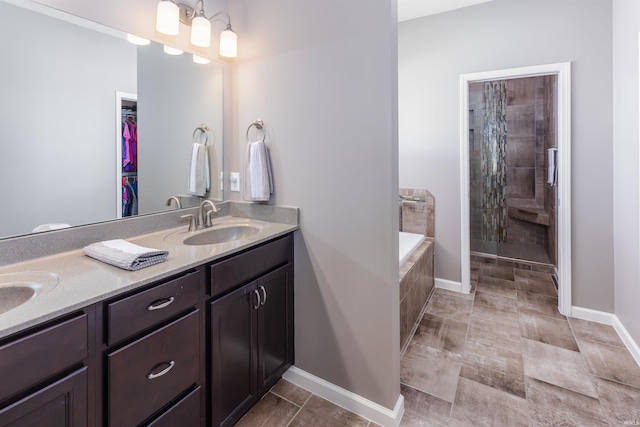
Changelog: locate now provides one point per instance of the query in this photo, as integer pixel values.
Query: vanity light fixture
(170, 14)
(137, 40)
(172, 50)
(200, 60)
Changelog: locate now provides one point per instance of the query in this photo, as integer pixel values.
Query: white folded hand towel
(199, 176)
(49, 227)
(258, 178)
(125, 254)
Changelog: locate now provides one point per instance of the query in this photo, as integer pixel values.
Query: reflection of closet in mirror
(127, 154)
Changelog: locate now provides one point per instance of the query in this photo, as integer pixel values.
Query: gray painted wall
(323, 77)
(175, 96)
(626, 25)
(59, 125)
(435, 50)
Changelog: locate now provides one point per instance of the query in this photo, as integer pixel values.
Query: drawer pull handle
(160, 304)
(264, 295)
(152, 376)
(257, 294)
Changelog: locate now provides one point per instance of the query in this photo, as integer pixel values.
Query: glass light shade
(228, 44)
(137, 40)
(168, 18)
(172, 50)
(201, 32)
(200, 60)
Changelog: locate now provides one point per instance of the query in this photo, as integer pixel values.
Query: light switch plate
(235, 181)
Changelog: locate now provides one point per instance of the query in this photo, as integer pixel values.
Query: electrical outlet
(235, 181)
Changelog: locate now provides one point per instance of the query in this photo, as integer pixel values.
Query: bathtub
(408, 243)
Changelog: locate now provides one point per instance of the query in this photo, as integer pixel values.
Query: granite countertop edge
(106, 281)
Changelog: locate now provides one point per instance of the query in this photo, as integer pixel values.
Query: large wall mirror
(63, 83)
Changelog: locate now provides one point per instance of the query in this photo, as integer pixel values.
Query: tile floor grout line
(285, 399)
(298, 411)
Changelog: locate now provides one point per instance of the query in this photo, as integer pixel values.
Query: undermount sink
(222, 235)
(18, 288)
(13, 296)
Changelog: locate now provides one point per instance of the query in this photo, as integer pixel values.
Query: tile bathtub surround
(417, 216)
(416, 285)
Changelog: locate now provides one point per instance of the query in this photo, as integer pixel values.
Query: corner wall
(322, 75)
(501, 34)
(626, 24)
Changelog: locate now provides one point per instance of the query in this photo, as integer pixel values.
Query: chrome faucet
(178, 204)
(205, 220)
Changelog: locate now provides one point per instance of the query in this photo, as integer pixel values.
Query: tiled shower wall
(530, 131)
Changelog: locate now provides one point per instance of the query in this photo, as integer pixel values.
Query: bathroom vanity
(198, 346)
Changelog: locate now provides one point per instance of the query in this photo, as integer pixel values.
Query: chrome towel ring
(204, 130)
(258, 124)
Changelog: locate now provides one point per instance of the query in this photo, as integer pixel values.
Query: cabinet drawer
(147, 374)
(186, 412)
(133, 314)
(33, 358)
(239, 269)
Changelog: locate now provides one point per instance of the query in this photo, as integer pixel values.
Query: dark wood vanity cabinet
(192, 350)
(44, 377)
(251, 329)
(156, 370)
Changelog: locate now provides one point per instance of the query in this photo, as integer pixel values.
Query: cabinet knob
(160, 304)
(153, 376)
(264, 295)
(257, 294)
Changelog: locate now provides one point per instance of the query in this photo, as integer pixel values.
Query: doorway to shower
(512, 181)
(515, 147)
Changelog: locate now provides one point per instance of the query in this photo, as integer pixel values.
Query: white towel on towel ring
(258, 178)
(199, 175)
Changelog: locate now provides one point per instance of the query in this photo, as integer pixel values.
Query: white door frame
(563, 72)
(120, 96)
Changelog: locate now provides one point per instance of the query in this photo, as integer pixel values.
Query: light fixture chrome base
(186, 13)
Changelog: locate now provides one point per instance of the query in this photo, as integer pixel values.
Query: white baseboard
(612, 320)
(449, 285)
(346, 399)
(592, 315)
(627, 339)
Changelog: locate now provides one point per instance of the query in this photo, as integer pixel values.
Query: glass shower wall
(511, 125)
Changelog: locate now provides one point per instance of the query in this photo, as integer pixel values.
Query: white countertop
(85, 281)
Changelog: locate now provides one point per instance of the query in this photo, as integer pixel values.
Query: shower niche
(512, 127)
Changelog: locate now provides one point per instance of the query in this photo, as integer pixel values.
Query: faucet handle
(193, 225)
(207, 218)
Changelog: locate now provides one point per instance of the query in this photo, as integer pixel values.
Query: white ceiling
(411, 9)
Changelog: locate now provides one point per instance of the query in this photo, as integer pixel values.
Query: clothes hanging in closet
(129, 145)
(129, 196)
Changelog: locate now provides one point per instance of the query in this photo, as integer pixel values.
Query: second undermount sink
(18, 288)
(222, 235)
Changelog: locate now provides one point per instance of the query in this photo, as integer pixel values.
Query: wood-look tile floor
(502, 356)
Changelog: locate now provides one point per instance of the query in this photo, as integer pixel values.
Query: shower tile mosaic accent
(494, 170)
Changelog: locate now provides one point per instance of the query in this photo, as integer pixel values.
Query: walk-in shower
(512, 137)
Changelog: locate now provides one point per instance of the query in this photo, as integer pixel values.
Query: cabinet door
(61, 404)
(233, 355)
(275, 326)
